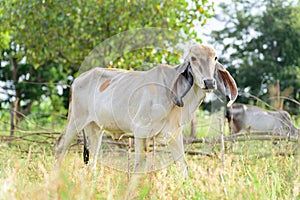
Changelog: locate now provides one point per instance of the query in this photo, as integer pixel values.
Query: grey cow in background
(155, 103)
(246, 118)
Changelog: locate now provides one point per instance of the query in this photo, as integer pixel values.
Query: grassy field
(251, 170)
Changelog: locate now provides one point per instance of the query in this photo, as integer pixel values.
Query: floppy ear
(183, 83)
(225, 83)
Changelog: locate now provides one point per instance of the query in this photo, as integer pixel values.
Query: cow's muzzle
(210, 84)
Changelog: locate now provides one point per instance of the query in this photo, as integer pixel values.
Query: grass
(32, 175)
(27, 171)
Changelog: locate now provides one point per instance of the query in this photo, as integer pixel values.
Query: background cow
(254, 119)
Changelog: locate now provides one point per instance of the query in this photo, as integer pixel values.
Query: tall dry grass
(32, 175)
(251, 170)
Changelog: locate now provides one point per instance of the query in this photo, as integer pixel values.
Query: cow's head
(202, 68)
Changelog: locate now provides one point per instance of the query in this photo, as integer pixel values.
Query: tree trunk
(13, 116)
(12, 119)
(15, 103)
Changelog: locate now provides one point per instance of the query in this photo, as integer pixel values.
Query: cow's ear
(183, 83)
(225, 83)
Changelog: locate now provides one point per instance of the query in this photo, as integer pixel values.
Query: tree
(263, 40)
(52, 38)
(68, 31)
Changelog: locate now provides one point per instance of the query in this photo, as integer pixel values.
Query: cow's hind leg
(65, 140)
(139, 150)
(92, 145)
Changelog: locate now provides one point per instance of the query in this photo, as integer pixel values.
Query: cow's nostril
(209, 84)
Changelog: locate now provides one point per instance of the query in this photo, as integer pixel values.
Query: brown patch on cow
(165, 65)
(104, 85)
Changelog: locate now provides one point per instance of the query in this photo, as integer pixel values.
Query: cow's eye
(216, 58)
(193, 58)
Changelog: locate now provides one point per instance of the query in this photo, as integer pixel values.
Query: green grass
(27, 171)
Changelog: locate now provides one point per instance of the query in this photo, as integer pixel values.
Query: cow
(246, 118)
(148, 104)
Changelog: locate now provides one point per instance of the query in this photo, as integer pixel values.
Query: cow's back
(123, 100)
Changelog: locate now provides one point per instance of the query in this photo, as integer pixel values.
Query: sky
(211, 24)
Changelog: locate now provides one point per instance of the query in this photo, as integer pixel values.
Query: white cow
(254, 119)
(155, 103)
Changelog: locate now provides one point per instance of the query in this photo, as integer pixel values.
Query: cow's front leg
(177, 149)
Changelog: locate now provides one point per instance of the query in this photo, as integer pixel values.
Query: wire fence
(42, 135)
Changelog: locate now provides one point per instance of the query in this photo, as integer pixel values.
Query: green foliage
(262, 39)
(4, 40)
(50, 39)
(34, 85)
(68, 31)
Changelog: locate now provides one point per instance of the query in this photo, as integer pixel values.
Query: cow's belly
(112, 123)
(263, 123)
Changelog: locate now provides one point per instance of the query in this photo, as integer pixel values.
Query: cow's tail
(86, 153)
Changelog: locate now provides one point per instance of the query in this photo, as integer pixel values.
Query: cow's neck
(192, 101)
